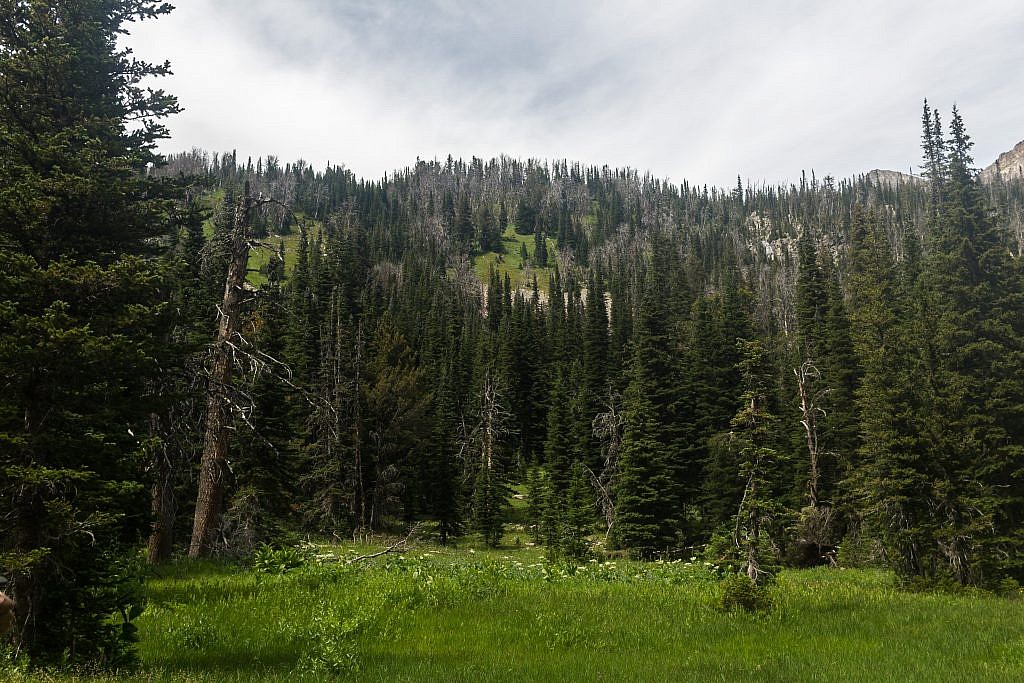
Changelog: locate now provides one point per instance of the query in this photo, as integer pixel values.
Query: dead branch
(397, 547)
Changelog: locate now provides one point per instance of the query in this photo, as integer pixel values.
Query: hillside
(264, 420)
(893, 178)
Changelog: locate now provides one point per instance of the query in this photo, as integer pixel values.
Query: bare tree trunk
(607, 428)
(213, 469)
(754, 540)
(805, 378)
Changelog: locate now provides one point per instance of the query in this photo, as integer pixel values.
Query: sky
(694, 90)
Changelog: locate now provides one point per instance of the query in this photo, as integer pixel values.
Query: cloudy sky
(701, 90)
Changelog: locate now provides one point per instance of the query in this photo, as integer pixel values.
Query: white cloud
(696, 90)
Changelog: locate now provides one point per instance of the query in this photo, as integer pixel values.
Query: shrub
(739, 592)
(271, 560)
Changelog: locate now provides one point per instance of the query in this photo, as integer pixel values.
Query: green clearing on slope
(439, 614)
(260, 257)
(511, 262)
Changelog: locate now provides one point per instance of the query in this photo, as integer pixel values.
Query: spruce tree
(889, 487)
(485, 448)
(559, 447)
(578, 518)
(259, 509)
(972, 415)
(463, 227)
(648, 517)
(595, 373)
(758, 458)
(80, 222)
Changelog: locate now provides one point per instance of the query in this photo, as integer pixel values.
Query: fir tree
(463, 226)
(753, 425)
(264, 465)
(485, 448)
(595, 372)
(559, 446)
(81, 224)
(648, 514)
(889, 485)
(972, 414)
(578, 519)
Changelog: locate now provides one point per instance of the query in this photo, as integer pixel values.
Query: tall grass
(441, 615)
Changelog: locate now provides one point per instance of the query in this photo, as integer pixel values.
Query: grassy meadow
(436, 614)
(511, 261)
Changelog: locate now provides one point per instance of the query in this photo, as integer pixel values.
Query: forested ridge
(829, 372)
(835, 362)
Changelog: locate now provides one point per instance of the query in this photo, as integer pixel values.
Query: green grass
(473, 615)
(511, 261)
(260, 257)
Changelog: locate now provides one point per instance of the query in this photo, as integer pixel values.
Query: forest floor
(443, 614)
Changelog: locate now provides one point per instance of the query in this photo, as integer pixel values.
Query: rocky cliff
(1008, 165)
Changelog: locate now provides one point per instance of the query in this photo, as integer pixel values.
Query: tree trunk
(25, 581)
(805, 378)
(213, 470)
(160, 538)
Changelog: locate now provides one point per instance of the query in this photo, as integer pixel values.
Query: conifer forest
(223, 374)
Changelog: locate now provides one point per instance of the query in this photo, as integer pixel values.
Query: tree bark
(805, 378)
(213, 469)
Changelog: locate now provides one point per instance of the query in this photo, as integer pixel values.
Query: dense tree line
(808, 368)
(823, 372)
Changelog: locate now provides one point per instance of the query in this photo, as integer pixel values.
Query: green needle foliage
(80, 324)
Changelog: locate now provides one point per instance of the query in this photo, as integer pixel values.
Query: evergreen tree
(811, 300)
(646, 511)
(536, 499)
(80, 222)
(648, 518)
(972, 415)
(526, 217)
(489, 237)
(578, 519)
(540, 250)
(841, 371)
(595, 373)
(398, 401)
(442, 477)
(486, 449)
(262, 495)
(753, 425)
(463, 225)
(330, 453)
(558, 447)
(889, 485)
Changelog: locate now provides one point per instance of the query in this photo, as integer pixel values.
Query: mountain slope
(1009, 165)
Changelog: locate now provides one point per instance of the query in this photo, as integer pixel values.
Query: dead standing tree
(607, 428)
(213, 467)
(806, 377)
(815, 525)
